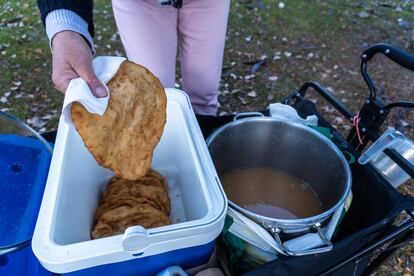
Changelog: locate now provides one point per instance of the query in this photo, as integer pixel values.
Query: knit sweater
(83, 8)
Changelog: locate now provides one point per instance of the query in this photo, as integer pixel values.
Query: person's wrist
(66, 20)
(63, 35)
(66, 37)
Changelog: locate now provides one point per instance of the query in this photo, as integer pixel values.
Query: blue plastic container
(24, 165)
(22, 263)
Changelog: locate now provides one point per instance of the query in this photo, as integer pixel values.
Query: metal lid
(24, 164)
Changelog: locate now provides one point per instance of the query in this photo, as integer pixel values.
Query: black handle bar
(395, 54)
(400, 160)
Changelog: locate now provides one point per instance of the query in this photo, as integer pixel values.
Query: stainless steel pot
(294, 148)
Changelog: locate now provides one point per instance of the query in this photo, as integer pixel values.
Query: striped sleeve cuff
(66, 20)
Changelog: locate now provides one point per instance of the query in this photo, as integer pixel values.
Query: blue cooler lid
(24, 165)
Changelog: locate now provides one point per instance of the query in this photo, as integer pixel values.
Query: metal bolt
(381, 111)
(363, 129)
(274, 230)
(297, 94)
(364, 56)
(387, 51)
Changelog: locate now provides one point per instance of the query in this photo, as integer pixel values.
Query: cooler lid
(24, 164)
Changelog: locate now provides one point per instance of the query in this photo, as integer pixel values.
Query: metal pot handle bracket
(248, 114)
(327, 247)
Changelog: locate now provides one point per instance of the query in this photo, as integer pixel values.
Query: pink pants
(151, 34)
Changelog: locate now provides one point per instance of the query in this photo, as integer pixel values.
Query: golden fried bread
(124, 137)
(125, 203)
(117, 220)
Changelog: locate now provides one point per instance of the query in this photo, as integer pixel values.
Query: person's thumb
(98, 89)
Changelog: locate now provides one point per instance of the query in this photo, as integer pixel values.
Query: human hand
(72, 58)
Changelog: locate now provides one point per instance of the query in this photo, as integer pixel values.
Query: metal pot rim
(291, 222)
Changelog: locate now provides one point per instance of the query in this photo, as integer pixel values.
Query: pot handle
(327, 247)
(248, 114)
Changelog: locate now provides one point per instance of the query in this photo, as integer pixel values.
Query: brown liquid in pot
(270, 192)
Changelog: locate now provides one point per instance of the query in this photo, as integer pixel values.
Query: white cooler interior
(83, 180)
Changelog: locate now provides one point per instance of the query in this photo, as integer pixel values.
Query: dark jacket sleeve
(83, 8)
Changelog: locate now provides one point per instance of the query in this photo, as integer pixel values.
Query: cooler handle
(327, 247)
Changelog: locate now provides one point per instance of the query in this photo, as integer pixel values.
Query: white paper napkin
(78, 90)
(286, 112)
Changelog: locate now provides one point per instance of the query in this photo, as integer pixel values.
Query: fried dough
(124, 137)
(125, 203)
(117, 220)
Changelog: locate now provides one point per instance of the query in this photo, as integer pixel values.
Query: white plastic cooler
(62, 241)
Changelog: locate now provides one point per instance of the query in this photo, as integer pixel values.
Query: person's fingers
(59, 83)
(64, 49)
(61, 77)
(72, 58)
(86, 72)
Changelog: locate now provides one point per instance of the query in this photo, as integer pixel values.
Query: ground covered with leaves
(272, 48)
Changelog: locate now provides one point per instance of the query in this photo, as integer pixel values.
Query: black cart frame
(368, 234)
